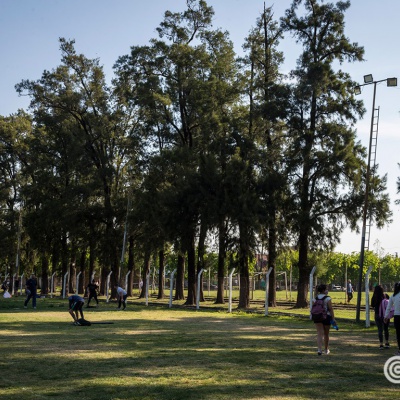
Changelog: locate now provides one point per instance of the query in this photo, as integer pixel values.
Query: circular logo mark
(392, 369)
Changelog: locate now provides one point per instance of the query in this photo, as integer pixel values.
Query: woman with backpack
(323, 324)
(379, 302)
(394, 300)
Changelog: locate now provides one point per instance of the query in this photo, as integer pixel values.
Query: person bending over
(75, 307)
(121, 296)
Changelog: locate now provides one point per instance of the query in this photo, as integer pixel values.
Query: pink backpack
(318, 310)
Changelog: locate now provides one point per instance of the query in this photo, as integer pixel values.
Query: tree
(267, 106)
(325, 164)
(13, 130)
(75, 95)
(182, 83)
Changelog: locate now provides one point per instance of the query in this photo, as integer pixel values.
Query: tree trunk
(244, 250)
(180, 276)
(45, 275)
(146, 271)
(64, 267)
(161, 279)
(131, 267)
(201, 251)
(72, 276)
(191, 254)
(304, 272)
(92, 255)
(221, 263)
(272, 264)
(82, 270)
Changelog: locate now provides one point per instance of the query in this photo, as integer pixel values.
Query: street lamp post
(368, 80)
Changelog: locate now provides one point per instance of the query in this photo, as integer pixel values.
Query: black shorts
(75, 305)
(326, 321)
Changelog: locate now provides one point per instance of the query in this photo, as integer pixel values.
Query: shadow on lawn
(181, 354)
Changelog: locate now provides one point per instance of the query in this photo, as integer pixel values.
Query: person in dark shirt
(31, 288)
(379, 302)
(75, 307)
(92, 288)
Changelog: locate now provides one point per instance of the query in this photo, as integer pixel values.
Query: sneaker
(34, 308)
(327, 351)
(319, 353)
(387, 345)
(25, 307)
(397, 353)
(381, 347)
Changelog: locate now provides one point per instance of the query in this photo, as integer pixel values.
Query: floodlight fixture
(357, 90)
(368, 78)
(391, 81)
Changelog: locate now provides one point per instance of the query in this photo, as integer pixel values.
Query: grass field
(159, 353)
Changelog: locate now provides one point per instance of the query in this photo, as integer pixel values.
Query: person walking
(31, 291)
(324, 326)
(92, 288)
(75, 307)
(394, 300)
(350, 291)
(379, 302)
(121, 297)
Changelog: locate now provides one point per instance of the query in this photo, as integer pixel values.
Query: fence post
(230, 291)
(77, 283)
(65, 284)
(22, 277)
(126, 280)
(267, 289)
(198, 288)
(147, 287)
(311, 288)
(52, 285)
(108, 287)
(171, 287)
(367, 320)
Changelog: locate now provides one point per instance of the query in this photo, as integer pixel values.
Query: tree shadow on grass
(161, 354)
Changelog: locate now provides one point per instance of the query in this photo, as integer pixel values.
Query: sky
(105, 29)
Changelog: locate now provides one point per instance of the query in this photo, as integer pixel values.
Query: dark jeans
(31, 295)
(92, 296)
(397, 326)
(349, 296)
(382, 328)
(123, 301)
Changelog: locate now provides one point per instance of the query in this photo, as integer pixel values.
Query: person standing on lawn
(324, 326)
(31, 291)
(350, 291)
(92, 288)
(379, 302)
(394, 300)
(121, 297)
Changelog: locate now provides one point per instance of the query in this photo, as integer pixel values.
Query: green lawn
(160, 353)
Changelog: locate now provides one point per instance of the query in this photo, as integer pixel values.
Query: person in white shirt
(394, 300)
(121, 297)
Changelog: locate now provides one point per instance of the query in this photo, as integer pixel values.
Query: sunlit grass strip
(157, 353)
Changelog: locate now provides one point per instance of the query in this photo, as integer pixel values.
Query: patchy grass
(159, 353)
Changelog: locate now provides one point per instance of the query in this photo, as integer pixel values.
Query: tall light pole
(368, 80)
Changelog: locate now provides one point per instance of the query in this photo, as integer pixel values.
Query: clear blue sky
(105, 29)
